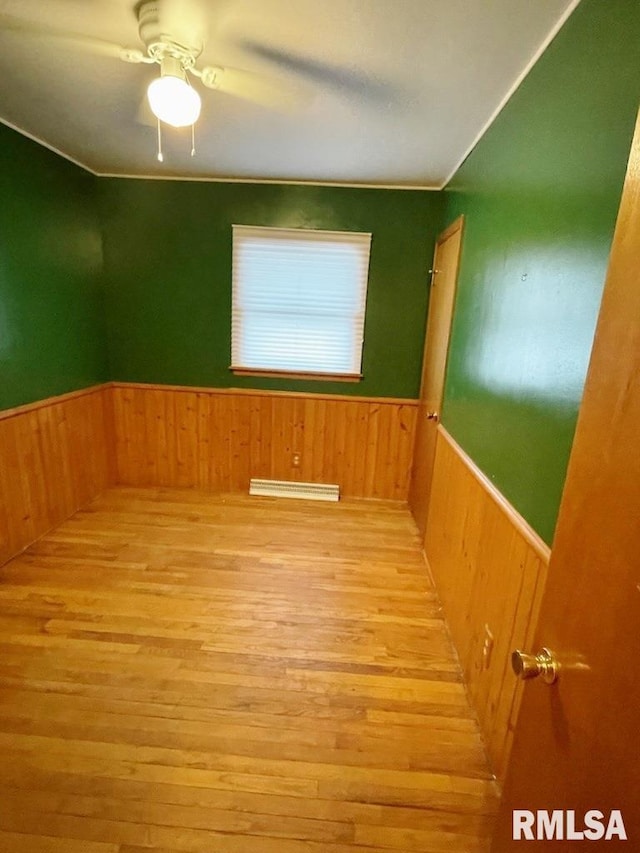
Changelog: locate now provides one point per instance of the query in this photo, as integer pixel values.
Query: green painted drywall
(167, 248)
(540, 194)
(52, 336)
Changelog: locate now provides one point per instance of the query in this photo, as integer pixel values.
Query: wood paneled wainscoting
(55, 456)
(489, 567)
(58, 454)
(217, 439)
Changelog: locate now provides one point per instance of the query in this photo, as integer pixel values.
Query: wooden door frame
(458, 225)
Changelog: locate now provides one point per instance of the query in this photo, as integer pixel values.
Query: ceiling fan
(172, 33)
(172, 98)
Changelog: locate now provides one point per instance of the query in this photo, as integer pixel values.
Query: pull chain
(160, 154)
(193, 142)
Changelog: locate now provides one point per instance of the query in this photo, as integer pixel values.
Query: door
(434, 364)
(576, 741)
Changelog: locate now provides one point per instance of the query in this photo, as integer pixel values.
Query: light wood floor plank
(184, 672)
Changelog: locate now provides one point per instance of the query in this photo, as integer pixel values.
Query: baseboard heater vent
(290, 489)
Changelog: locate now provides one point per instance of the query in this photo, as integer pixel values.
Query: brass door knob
(543, 665)
(432, 416)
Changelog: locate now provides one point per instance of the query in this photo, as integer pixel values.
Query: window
(299, 301)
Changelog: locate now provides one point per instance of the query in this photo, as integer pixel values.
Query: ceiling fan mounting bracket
(160, 43)
(162, 49)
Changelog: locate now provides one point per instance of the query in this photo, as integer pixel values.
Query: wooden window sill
(293, 374)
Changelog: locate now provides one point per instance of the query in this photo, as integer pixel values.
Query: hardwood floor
(225, 674)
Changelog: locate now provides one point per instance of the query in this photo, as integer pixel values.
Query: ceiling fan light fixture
(171, 98)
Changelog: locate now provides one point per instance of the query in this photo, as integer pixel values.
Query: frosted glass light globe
(174, 101)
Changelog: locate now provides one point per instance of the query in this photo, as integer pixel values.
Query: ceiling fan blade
(101, 47)
(71, 40)
(337, 77)
(255, 88)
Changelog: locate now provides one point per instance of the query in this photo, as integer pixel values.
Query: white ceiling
(379, 92)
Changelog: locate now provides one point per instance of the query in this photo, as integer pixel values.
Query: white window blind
(299, 300)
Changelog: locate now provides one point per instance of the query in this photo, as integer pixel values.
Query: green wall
(167, 247)
(540, 194)
(52, 337)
